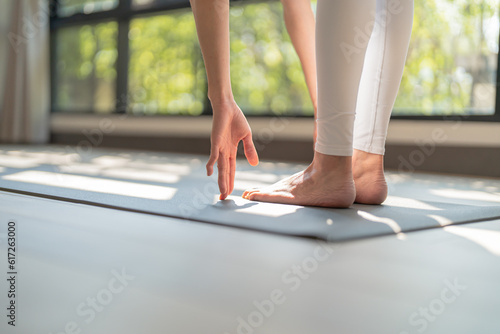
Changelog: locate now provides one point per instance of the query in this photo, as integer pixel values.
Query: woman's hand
(229, 127)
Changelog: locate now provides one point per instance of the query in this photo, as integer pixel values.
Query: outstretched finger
(232, 173)
(214, 155)
(222, 165)
(250, 151)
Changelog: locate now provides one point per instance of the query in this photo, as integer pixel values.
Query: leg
(299, 20)
(382, 72)
(343, 27)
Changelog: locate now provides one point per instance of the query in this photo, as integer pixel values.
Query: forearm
(212, 24)
(300, 23)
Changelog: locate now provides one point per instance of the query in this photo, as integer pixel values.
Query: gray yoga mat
(176, 186)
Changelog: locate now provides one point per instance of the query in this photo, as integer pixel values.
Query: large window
(452, 61)
(142, 57)
(86, 67)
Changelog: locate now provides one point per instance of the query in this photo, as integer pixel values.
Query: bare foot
(327, 182)
(368, 173)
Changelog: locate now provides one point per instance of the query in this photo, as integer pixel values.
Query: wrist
(220, 98)
(225, 107)
(223, 104)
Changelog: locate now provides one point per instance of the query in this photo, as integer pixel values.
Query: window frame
(124, 12)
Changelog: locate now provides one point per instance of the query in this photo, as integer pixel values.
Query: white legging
(361, 48)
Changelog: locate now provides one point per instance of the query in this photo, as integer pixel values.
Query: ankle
(332, 163)
(364, 162)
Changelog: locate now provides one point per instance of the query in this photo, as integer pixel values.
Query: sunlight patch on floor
(122, 173)
(488, 239)
(388, 221)
(262, 177)
(443, 221)
(86, 183)
(467, 194)
(403, 202)
(18, 162)
(245, 185)
(262, 208)
(110, 161)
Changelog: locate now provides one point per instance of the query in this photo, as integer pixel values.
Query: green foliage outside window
(166, 72)
(85, 68)
(452, 61)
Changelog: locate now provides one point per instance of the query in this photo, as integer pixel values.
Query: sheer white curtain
(24, 70)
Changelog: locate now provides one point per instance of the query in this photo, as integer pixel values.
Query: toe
(261, 196)
(248, 193)
(245, 193)
(253, 195)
